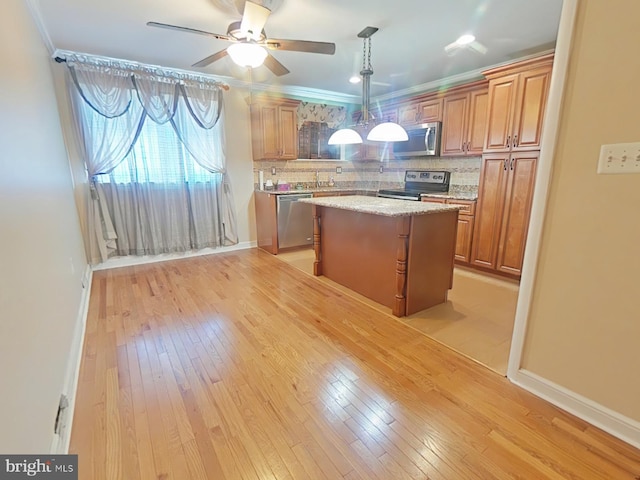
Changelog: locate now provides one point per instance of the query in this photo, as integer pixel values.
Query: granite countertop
(381, 206)
(369, 191)
(456, 196)
(336, 190)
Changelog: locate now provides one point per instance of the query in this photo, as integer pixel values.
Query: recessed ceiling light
(465, 39)
(355, 79)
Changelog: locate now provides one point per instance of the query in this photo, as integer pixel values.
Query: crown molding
(305, 93)
(36, 14)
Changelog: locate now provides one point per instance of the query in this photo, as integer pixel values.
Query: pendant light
(383, 132)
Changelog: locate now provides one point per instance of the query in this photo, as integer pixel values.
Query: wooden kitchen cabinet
(266, 221)
(274, 129)
(420, 111)
(464, 121)
(505, 194)
(464, 233)
(516, 104)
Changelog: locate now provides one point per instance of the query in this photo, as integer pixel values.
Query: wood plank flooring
(476, 320)
(239, 366)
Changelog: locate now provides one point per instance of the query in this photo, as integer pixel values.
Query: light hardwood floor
(477, 319)
(239, 366)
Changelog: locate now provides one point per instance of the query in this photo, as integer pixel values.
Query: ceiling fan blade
(210, 59)
(190, 30)
(253, 20)
(452, 48)
(301, 46)
(275, 66)
(478, 47)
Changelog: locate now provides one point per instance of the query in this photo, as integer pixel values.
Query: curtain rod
(61, 57)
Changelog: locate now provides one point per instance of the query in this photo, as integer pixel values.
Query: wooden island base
(402, 262)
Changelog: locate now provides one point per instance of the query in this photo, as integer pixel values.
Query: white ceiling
(408, 50)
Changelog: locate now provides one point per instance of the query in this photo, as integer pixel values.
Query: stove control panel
(426, 176)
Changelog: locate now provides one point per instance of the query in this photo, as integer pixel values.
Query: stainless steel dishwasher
(295, 222)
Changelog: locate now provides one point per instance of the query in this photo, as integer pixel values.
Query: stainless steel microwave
(424, 140)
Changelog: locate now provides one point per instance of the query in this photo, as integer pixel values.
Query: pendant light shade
(345, 136)
(247, 54)
(384, 132)
(388, 132)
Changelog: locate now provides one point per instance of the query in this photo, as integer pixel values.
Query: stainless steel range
(417, 182)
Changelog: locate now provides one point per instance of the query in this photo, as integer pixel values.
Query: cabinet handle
(511, 164)
(515, 140)
(508, 140)
(506, 162)
(464, 147)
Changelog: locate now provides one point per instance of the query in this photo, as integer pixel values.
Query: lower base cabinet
(465, 226)
(266, 221)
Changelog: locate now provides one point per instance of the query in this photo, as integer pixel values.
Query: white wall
(240, 160)
(42, 260)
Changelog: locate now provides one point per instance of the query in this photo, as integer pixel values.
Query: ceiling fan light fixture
(247, 54)
(465, 39)
(388, 132)
(345, 136)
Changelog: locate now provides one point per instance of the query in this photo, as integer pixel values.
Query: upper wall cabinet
(464, 121)
(274, 129)
(517, 100)
(417, 112)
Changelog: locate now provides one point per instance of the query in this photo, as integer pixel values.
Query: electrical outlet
(338, 169)
(273, 170)
(381, 169)
(619, 158)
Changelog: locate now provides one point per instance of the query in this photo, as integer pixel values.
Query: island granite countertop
(381, 206)
(365, 191)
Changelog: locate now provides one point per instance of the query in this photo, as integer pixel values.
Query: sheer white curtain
(154, 150)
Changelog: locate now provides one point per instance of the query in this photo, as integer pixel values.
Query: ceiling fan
(249, 41)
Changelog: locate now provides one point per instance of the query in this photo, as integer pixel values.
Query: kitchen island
(396, 252)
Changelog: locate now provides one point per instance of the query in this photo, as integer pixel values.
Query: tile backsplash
(465, 172)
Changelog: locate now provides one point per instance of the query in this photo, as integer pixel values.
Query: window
(158, 156)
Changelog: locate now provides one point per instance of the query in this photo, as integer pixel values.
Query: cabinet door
(430, 111)
(454, 125)
(477, 127)
(530, 106)
(489, 208)
(501, 104)
(266, 222)
(268, 131)
(517, 210)
(288, 133)
(408, 114)
(463, 238)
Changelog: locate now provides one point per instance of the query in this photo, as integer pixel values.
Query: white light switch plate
(619, 158)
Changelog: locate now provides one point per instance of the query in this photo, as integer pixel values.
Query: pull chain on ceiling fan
(249, 41)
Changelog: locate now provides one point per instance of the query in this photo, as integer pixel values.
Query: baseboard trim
(614, 423)
(118, 262)
(60, 442)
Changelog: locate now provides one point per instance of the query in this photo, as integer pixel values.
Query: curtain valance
(109, 90)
